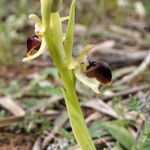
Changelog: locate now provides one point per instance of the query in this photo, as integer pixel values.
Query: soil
(10, 141)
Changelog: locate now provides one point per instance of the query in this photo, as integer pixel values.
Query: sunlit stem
(54, 40)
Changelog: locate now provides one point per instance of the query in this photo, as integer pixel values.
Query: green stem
(75, 113)
(54, 41)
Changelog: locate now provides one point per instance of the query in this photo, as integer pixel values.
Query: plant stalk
(54, 41)
(75, 113)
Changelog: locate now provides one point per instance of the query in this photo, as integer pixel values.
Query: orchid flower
(81, 66)
(49, 35)
(37, 41)
(92, 74)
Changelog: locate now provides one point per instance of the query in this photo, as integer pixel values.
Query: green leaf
(30, 102)
(147, 6)
(121, 134)
(117, 147)
(66, 134)
(2, 113)
(133, 103)
(144, 141)
(78, 125)
(52, 71)
(68, 43)
(121, 122)
(96, 130)
(46, 90)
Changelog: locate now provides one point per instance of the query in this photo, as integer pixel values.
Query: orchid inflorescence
(84, 69)
(48, 35)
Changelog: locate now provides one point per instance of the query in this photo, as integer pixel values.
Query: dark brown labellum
(33, 43)
(100, 71)
(147, 28)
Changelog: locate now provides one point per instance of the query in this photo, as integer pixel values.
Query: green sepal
(68, 43)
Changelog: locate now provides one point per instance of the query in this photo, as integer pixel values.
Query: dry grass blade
(127, 92)
(51, 135)
(10, 105)
(37, 144)
(8, 121)
(117, 57)
(125, 32)
(122, 72)
(105, 45)
(45, 103)
(93, 117)
(137, 71)
(101, 106)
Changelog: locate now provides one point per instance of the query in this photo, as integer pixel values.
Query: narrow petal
(84, 52)
(68, 43)
(80, 60)
(38, 23)
(38, 53)
(64, 18)
(91, 83)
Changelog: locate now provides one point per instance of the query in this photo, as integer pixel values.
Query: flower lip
(100, 71)
(33, 43)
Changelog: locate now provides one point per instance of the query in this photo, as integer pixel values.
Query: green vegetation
(50, 89)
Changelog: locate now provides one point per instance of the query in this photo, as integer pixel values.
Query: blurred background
(31, 103)
(91, 16)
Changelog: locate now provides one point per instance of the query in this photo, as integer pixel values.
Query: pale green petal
(38, 23)
(64, 18)
(68, 43)
(84, 52)
(38, 53)
(91, 83)
(73, 64)
(81, 60)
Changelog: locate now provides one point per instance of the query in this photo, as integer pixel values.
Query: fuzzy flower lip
(38, 53)
(99, 71)
(33, 43)
(91, 73)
